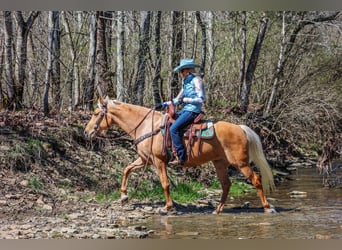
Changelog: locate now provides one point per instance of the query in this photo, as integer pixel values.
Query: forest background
(276, 71)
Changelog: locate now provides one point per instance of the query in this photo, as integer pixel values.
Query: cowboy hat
(186, 64)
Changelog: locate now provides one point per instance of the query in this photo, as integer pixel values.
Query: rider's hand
(160, 105)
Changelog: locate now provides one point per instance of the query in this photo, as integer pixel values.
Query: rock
(188, 233)
(3, 202)
(40, 201)
(47, 207)
(24, 183)
(245, 205)
(281, 173)
(289, 168)
(297, 194)
(322, 237)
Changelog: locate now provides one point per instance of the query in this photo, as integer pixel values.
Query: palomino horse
(232, 145)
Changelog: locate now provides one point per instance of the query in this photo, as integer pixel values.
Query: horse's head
(99, 121)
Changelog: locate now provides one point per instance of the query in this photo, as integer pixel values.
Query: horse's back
(227, 130)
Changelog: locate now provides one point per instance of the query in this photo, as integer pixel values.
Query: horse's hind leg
(221, 167)
(256, 181)
(138, 163)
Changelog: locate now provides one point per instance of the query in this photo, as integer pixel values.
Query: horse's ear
(107, 99)
(100, 102)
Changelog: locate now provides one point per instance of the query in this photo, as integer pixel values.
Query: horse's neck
(133, 119)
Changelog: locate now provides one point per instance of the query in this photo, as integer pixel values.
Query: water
(315, 215)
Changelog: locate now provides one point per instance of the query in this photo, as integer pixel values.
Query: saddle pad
(206, 133)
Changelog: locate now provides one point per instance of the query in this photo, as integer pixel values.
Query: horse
(231, 146)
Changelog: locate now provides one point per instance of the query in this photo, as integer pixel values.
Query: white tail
(256, 155)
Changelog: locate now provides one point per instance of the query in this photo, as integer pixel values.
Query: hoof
(270, 210)
(214, 212)
(124, 200)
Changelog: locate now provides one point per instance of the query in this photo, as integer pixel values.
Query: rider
(191, 96)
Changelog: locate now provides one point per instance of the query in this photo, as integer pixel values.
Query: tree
(52, 75)
(144, 39)
(286, 48)
(157, 83)
(9, 59)
(90, 81)
(101, 64)
(204, 42)
(243, 50)
(246, 87)
(56, 66)
(176, 49)
(120, 48)
(24, 27)
(1, 70)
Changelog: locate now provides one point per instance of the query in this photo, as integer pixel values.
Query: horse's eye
(96, 113)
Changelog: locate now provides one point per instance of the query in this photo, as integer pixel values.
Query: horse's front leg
(138, 163)
(162, 172)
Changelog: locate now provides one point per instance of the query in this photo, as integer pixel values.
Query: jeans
(184, 119)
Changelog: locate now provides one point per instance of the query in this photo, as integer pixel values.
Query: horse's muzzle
(89, 134)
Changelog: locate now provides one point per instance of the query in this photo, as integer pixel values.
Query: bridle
(104, 113)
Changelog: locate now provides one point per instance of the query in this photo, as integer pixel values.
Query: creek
(305, 210)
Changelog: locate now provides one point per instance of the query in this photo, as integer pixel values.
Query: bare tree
(9, 59)
(1, 70)
(49, 65)
(144, 38)
(56, 66)
(246, 87)
(90, 82)
(157, 84)
(243, 50)
(176, 49)
(101, 64)
(204, 43)
(24, 27)
(286, 48)
(278, 69)
(120, 48)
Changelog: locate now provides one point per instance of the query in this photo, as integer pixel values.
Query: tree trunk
(71, 76)
(48, 73)
(243, 50)
(176, 49)
(23, 31)
(246, 87)
(211, 56)
(101, 65)
(77, 83)
(278, 70)
(142, 57)
(204, 43)
(9, 59)
(120, 47)
(90, 83)
(157, 80)
(56, 67)
(1, 69)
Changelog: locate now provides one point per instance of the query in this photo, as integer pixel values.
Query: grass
(181, 192)
(238, 187)
(35, 183)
